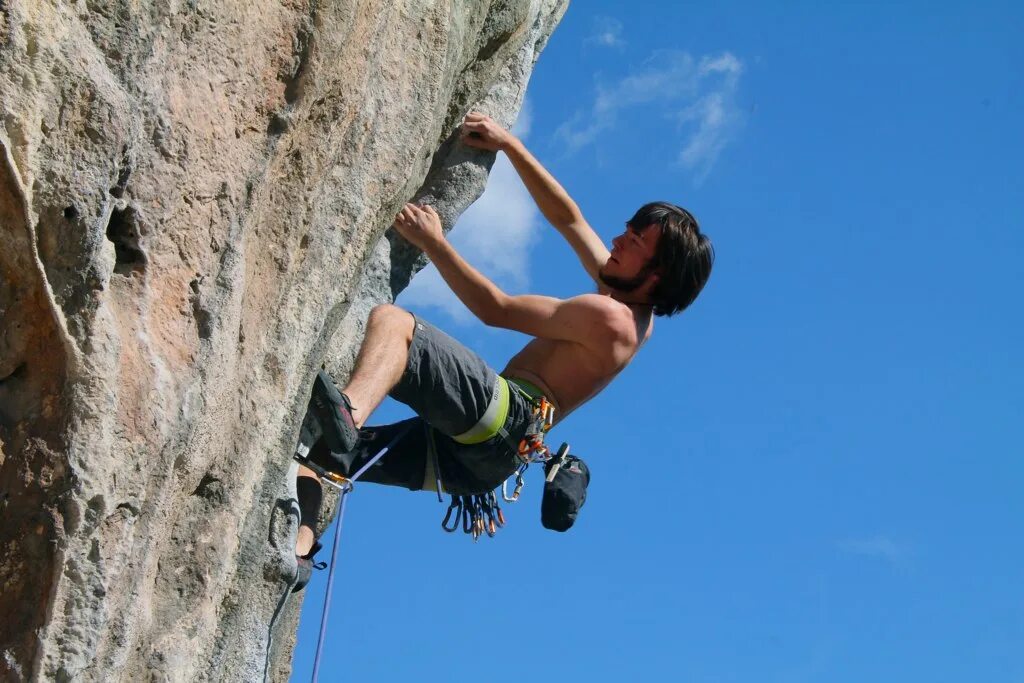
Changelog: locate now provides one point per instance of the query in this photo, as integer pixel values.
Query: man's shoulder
(598, 302)
(616, 317)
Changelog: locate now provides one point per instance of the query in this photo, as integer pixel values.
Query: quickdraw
(476, 514)
(335, 480)
(532, 447)
(520, 482)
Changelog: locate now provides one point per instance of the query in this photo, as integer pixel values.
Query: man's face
(629, 265)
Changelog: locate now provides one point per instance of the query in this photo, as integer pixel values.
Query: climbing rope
(344, 490)
(345, 485)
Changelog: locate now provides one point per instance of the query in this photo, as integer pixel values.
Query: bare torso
(570, 373)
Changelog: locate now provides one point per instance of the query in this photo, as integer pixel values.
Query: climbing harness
(480, 513)
(344, 485)
(531, 447)
(490, 423)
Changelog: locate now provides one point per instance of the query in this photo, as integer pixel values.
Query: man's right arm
(551, 198)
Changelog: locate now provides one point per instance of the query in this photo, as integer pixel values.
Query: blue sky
(814, 473)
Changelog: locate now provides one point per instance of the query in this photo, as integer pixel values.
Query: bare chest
(570, 372)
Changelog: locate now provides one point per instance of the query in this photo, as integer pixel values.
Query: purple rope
(334, 551)
(330, 585)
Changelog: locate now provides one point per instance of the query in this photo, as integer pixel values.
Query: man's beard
(625, 285)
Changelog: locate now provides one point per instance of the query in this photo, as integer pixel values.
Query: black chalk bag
(565, 493)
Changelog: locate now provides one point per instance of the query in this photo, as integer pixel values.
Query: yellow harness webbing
(497, 409)
(493, 419)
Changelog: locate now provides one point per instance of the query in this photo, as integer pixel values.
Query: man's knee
(395, 317)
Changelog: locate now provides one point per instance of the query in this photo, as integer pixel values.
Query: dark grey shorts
(450, 388)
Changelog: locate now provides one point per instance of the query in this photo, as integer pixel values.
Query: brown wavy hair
(683, 259)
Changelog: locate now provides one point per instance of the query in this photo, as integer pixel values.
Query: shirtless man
(471, 418)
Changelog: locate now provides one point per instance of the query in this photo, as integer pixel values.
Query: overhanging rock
(193, 201)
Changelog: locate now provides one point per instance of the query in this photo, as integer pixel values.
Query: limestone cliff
(193, 201)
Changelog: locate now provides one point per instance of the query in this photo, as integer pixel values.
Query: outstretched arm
(551, 198)
(585, 319)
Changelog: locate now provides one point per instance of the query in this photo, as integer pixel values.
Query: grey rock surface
(193, 205)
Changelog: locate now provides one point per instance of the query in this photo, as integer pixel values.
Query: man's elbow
(568, 219)
(495, 312)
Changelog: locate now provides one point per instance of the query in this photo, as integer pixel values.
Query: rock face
(193, 199)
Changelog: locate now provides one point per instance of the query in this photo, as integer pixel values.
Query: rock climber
(471, 418)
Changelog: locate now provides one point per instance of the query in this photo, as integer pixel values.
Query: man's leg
(381, 361)
(310, 494)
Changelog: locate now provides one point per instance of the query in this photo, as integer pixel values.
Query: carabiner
(456, 507)
(487, 514)
(478, 516)
(341, 483)
(499, 517)
(519, 485)
(467, 514)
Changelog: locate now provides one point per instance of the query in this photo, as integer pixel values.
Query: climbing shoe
(306, 565)
(333, 412)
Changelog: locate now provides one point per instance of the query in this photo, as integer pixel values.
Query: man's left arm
(583, 319)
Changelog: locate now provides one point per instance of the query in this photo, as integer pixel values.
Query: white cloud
(521, 128)
(699, 95)
(495, 235)
(715, 115)
(497, 231)
(428, 289)
(607, 32)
